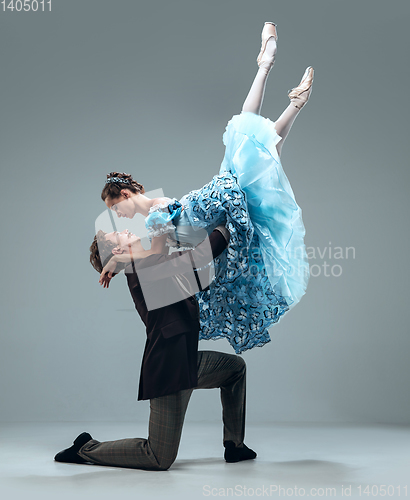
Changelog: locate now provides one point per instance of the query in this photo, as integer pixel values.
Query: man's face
(122, 240)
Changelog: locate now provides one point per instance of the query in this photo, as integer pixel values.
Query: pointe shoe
(299, 95)
(269, 31)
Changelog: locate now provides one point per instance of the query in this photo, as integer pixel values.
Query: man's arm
(226, 234)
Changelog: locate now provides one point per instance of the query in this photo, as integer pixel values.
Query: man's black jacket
(169, 362)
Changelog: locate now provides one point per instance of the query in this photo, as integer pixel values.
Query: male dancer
(172, 366)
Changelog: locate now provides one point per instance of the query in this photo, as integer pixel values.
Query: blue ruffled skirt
(264, 271)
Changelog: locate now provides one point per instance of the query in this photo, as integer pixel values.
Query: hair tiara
(117, 179)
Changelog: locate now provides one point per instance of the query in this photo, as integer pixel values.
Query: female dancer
(264, 271)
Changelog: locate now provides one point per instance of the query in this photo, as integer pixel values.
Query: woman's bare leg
(254, 99)
(299, 96)
(284, 123)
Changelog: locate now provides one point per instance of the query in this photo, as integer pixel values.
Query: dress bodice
(170, 217)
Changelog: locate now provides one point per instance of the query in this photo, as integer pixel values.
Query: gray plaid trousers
(167, 413)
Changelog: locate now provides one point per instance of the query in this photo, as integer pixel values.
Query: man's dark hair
(101, 252)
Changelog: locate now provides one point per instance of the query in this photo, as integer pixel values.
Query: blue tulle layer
(264, 271)
(251, 153)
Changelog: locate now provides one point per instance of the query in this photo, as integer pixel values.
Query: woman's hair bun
(116, 181)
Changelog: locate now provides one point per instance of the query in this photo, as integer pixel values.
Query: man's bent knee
(164, 464)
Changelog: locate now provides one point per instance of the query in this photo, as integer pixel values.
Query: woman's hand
(108, 272)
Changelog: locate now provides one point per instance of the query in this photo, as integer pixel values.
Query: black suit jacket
(169, 362)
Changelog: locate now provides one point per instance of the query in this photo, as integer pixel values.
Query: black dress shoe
(70, 454)
(234, 454)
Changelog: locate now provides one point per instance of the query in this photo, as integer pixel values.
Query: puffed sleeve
(160, 217)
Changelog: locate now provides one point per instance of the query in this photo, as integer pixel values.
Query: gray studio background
(147, 88)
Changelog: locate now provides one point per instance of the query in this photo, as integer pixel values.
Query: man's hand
(108, 272)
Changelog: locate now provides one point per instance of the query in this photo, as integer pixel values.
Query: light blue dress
(264, 271)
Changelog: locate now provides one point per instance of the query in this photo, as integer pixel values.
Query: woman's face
(123, 206)
(123, 239)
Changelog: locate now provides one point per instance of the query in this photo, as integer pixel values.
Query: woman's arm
(158, 244)
(108, 271)
(138, 252)
(185, 262)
